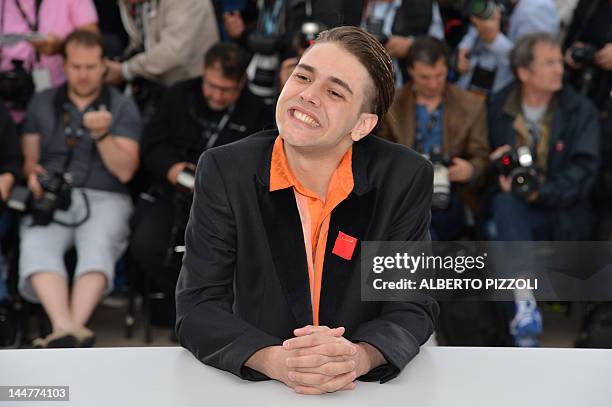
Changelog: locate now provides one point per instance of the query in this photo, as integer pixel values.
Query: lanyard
(211, 138)
(33, 26)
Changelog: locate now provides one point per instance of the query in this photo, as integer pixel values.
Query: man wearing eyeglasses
(193, 116)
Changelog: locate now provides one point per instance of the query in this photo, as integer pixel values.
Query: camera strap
(33, 26)
(63, 116)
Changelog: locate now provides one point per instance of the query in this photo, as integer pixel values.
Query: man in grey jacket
(168, 39)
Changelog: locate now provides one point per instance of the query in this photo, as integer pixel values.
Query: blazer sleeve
(402, 327)
(205, 323)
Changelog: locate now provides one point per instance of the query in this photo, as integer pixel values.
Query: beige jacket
(177, 35)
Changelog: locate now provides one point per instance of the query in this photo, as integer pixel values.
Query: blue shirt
(429, 129)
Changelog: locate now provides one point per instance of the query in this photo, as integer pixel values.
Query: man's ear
(364, 126)
(522, 74)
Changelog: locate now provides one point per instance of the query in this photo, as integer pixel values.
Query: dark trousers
(517, 220)
(151, 241)
(449, 224)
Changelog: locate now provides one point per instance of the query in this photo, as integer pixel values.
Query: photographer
(557, 133)
(588, 52)
(80, 146)
(50, 21)
(483, 53)
(437, 118)
(167, 38)
(10, 169)
(194, 116)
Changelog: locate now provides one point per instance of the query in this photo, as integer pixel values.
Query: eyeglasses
(222, 89)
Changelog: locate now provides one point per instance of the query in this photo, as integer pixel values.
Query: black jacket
(244, 281)
(175, 134)
(10, 150)
(573, 158)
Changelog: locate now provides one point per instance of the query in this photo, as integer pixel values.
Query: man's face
(546, 71)
(429, 80)
(219, 92)
(84, 68)
(320, 106)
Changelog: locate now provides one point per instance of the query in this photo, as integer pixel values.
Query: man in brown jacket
(448, 125)
(168, 39)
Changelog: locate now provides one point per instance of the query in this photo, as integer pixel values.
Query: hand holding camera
(178, 174)
(6, 184)
(460, 170)
(517, 171)
(48, 45)
(98, 122)
(603, 57)
(34, 183)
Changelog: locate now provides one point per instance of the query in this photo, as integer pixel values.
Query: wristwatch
(102, 137)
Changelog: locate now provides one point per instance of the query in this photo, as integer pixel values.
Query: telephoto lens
(483, 9)
(441, 184)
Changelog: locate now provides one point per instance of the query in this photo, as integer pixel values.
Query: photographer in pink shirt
(54, 20)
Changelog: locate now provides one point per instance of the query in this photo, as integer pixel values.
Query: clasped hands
(317, 360)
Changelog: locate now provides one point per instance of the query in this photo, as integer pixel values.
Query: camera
(518, 164)
(57, 190)
(16, 86)
(584, 55)
(375, 27)
(306, 36)
(185, 181)
(264, 63)
(441, 184)
(485, 9)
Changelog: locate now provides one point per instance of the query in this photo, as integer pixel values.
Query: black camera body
(584, 55)
(57, 190)
(518, 164)
(375, 27)
(16, 86)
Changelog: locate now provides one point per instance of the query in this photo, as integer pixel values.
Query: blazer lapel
(281, 220)
(352, 217)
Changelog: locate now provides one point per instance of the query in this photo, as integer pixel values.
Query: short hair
(230, 58)
(428, 50)
(86, 38)
(373, 56)
(522, 54)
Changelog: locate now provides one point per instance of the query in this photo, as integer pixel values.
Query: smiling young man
(270, 284)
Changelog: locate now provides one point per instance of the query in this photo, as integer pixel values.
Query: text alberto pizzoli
(459, 264)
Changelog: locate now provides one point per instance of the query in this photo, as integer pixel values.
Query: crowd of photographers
(107, 106)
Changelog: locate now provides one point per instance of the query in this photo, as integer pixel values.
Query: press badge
(41, 78)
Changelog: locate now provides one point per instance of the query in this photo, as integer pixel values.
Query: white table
(439, 376)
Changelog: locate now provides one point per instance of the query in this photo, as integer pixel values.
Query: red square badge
(344, 246)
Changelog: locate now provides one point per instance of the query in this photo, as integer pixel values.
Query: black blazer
(244, 281)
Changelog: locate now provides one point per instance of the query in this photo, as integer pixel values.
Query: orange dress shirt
(314, 211)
